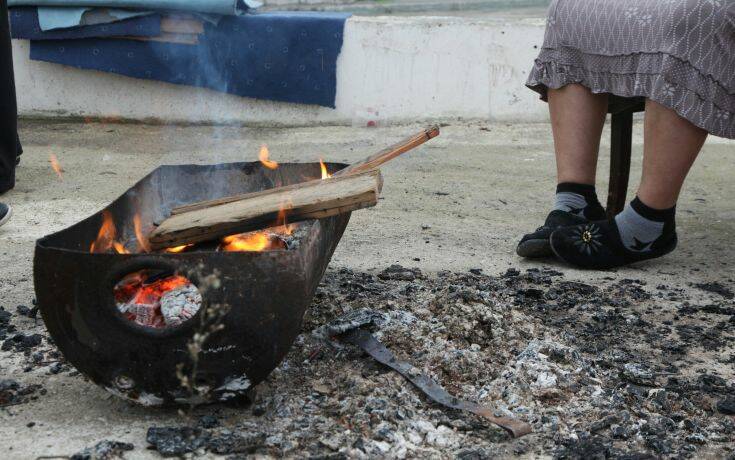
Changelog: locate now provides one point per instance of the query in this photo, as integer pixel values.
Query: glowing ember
(264, 155)
(156, 301)
(325, 173)
(56, 166)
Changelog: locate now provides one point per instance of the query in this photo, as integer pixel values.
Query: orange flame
(143, 244)
(263, 157)
(177, 249)
(325, 173)
(281, 225)
(106, 237)
(248, 242)
(56, 166)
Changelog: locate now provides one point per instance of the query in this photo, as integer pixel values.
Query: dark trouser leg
(9, 145)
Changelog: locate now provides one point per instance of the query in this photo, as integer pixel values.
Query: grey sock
(570, 202)
(638, 232)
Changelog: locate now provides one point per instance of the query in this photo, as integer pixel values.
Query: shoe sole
(534, 249)
(6, 217)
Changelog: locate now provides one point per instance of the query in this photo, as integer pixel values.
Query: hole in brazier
(157, 299)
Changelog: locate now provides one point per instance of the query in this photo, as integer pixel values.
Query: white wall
(405, 69)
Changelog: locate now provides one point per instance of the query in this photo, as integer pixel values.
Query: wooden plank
(387, 154)
(367, 164)
(307, 200)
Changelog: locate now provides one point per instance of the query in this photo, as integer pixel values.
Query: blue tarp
(290, 57)
(24, 25)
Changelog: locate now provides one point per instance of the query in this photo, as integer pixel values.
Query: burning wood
(308, 200)
(225, 217)
(370, 163)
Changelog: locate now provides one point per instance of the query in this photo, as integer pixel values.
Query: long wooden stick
(366, 164)
(307, 200)
(387, 154)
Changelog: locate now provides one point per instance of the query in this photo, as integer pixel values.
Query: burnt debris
(614, 369)
(104, 450)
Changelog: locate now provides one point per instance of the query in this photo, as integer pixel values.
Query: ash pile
(615, 370)
(619, 369)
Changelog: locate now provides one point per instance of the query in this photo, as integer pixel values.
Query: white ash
(180, 304)
(144, 313)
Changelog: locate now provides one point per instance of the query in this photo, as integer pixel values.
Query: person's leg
(577, 119)
(9, 145)
(671, 145)
(646, 228)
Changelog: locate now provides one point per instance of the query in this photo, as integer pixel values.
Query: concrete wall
(391, 70)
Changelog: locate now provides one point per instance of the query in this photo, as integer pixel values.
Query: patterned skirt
(679, 53)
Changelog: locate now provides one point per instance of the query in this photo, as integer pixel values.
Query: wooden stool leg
(620, 151)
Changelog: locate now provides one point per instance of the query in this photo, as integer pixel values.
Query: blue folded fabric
(290, 57)
(24, 25)
(54, 17)
(225, 7)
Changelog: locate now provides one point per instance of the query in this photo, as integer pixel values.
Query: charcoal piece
(176, 441)
(589, 449)
(236, 443)
(104, 450)
(13, 393)
(638, 374)
(351, 320)
(727, 406)
(208, 421)
(21, 342)
(27, 312)
(716, 288)
(400, 273)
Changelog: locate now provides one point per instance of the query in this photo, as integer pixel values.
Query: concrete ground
(457, 203)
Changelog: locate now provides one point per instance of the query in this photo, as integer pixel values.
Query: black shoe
(536, 244)
(597, 245)
(5, 213)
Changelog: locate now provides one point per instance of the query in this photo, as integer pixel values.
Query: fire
(281, 226)
(325, 173)
(56, 166)
(246, 242)
(106, 237)
(264, 155)
(264, 240)
(178, 249)
(143, 244)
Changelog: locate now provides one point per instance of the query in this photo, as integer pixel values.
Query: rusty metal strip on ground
(372, 346)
